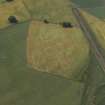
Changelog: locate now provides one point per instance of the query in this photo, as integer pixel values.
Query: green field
(95, 91)
(97, 26)
(95, 83)
(98, 12)
(57, 50)
(89, 3)
(95, 7)
(21, 85)
(53, 10)
(16, 9)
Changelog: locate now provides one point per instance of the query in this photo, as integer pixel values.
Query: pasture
(98, 27)
(15, 8)
(54, 49)
(20, 84)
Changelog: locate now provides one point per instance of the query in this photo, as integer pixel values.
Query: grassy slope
(99, 12)
(92, 6)
(95, 79)
(95, 91)
(57, 11)
(21, 85)
(89, 3)
(53, 10)
(15, 8)
(98, 26)
(58, 50)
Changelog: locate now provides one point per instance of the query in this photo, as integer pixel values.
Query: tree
(46, 21)
(12, 19)
(67, 25)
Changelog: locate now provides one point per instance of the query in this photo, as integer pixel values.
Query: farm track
(89, 34)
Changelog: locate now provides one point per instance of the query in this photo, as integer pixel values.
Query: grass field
(22, 44)
(52, 10)
(22, 85)
(15, 8)
(95, 79)
(95, 7)
(53, 49)
(95, 91)
(89, 3)
(99, 12)
(98, 27)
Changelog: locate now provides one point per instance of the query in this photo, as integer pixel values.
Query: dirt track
(89, 34)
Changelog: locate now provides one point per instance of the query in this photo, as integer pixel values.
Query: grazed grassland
(22, 85)
(54, 49)
(89, 3)
(98, 26)
(65, 52)
(15, 8)
(99, 12)
(53, 10)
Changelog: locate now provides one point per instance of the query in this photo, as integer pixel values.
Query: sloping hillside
(22, 85)
(98, 27)
(15, 8)
(95, 7)
(54, 49)
(64, 50)
(89, 3)
(53, 10)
